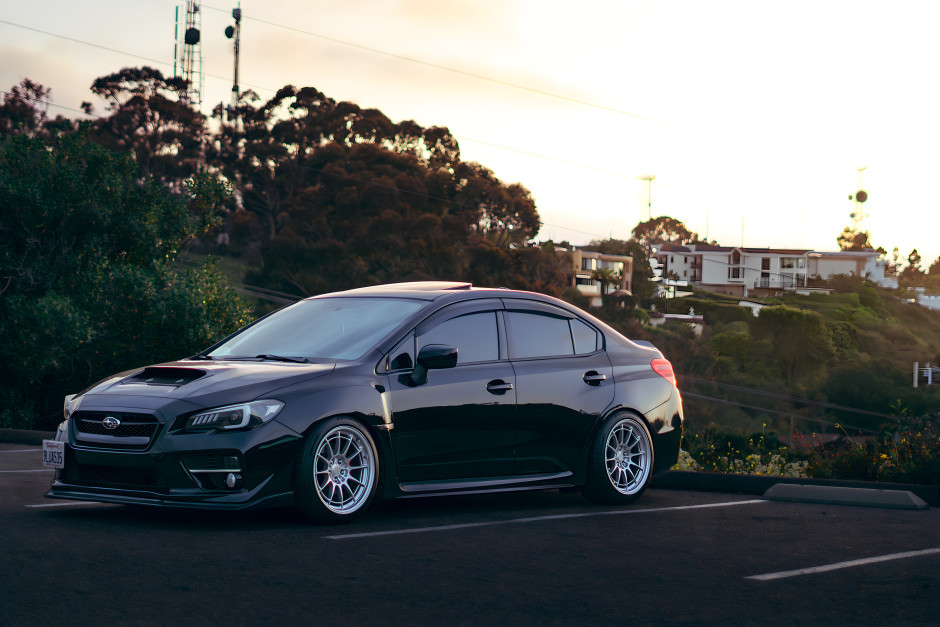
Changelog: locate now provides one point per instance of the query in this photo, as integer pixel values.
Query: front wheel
(621, 461)
(337, 474)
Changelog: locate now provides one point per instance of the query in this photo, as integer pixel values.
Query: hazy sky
(748, 112)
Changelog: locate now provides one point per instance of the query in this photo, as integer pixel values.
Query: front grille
(112, 476)
(135, 431)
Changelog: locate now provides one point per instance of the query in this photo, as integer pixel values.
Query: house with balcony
(589, 266)
(736, 271)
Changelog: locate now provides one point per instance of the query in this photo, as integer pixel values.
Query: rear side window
(536, 335)
(585, 338)
(475, 336)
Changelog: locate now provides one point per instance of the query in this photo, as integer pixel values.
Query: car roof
(433, 290)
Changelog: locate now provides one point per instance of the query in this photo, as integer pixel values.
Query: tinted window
(326, 328)
(474, 335)
(585, 338)
(535, 335)
(401, 357)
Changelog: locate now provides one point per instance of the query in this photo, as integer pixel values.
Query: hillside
(851, 349)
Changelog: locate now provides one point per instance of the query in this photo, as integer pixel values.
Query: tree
(88, 289)
(663, 230)
(934, 273)
(799, 338)
(149, 119)
(912, 275)
(333, 195)
(23, 111)
(605, 277)
(851, 239)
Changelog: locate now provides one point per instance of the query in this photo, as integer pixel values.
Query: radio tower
(187, 54)
(858, 216)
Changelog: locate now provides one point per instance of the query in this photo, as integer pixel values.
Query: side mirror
(433, 357)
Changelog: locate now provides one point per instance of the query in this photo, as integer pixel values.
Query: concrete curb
(759, 484)
(21, 436)
(860, 497)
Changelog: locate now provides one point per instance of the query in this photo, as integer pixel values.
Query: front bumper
(183, 470)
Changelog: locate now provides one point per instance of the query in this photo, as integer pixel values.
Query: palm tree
(605, 276)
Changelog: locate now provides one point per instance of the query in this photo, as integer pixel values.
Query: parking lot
(521, 558)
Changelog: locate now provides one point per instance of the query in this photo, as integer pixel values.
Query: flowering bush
(910, 453)
(758, 454)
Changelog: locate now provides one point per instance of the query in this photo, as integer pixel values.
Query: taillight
(664, 369)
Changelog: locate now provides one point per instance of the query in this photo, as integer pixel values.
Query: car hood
(207, 383)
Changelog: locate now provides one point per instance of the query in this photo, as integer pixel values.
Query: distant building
(588, 263)
(744, 272)
(862, 263)
(736, 271)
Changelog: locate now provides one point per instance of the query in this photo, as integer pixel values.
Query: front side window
(536, 335)
(321, 328)
(474, 335)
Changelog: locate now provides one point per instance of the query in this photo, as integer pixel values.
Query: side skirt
(483, 486)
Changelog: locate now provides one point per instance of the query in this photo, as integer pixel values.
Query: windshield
(324, 328)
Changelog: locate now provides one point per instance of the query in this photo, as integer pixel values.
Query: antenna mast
(858, 216)
(188, 63)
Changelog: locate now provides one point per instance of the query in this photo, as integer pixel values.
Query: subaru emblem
(110, 422)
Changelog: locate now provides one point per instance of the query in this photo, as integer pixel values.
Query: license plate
(53, 454)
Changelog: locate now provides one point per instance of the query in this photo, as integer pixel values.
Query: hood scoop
(175, 377)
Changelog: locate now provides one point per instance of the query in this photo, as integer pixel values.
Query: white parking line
(23, 450)
(618, 512)
(37, 470)
(65, 504)
(839, 565)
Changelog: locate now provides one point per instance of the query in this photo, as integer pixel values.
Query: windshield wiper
(296, 360)
(202, 356)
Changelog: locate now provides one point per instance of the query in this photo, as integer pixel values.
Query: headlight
(69, 406)
(243, 416)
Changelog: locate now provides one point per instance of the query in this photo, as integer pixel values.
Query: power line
(45, 102)
(786, 397)
(771, 411)
(167, 64)
(453, 70)
(121, 52)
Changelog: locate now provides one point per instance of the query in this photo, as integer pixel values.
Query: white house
(861, 263)
(743, 271)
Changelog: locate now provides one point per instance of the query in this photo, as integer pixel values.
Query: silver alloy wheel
(344, 469)
(628, 456)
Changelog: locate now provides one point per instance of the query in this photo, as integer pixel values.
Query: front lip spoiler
(284, 499)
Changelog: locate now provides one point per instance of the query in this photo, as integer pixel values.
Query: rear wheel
(337, 474)
(621, 461)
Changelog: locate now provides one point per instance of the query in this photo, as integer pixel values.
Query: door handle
(592, 377)
(498, 386)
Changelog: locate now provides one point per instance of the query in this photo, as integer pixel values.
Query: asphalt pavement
(529, 558)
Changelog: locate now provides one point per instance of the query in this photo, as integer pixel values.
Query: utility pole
(234, 33)
(649, 178)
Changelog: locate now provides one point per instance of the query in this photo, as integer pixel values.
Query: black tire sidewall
(306, 495)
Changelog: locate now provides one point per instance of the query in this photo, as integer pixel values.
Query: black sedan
(411, 389)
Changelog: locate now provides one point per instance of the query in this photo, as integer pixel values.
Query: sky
(756, 118)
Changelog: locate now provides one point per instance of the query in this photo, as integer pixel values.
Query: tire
(337, 474)
(621, 461)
